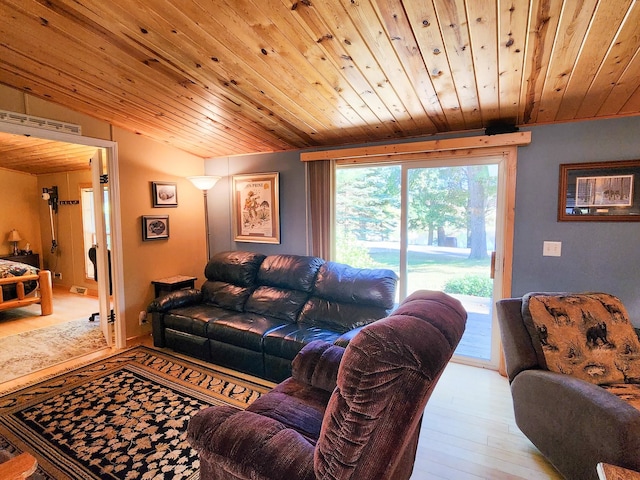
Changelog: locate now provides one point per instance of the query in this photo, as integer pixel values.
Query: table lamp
(14, 237)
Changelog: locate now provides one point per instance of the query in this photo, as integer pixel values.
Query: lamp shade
(204, 182)
(14, 236)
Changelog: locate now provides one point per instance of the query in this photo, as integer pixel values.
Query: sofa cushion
(243, 329)
(231, 277)
(287, 340)
(194, 318)
(345, 284)
(587, 335)
(285, 282)
(236, 267)
(225, 295)
(340, 317)
(290, 272)
(628, 392)
(277, 302)
(345, 297)
(295, 404)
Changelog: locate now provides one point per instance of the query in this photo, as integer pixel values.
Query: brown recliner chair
(345, 413)
(575, 424)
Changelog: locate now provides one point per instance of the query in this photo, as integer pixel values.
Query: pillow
(585, 335)
(626, 392)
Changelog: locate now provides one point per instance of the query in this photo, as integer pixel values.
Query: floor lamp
(205, 183)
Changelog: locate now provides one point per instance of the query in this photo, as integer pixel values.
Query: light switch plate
(551, 249)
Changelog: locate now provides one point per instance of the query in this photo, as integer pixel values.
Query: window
(89, 225)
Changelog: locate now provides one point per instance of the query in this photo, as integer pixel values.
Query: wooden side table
(177, 282)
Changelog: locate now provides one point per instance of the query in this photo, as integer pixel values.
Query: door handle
(492, 274)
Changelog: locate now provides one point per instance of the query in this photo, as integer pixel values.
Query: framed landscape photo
(600, 191)
(155, 227)
(165, 194)
(256, 208)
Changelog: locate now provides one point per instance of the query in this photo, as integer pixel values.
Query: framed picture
(256, 209)
(155, 227)
(599, 191)
(165, 194)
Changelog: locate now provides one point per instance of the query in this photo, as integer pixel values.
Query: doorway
(437, 224)
(106, 169)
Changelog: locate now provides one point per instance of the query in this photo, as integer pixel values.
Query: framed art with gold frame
(256, 208)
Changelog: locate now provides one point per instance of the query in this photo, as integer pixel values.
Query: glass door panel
(451, 230)
(435, 225)
(367, 225)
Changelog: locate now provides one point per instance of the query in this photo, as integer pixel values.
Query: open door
(100, 178)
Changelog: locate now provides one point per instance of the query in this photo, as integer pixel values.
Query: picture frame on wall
(164, 194)
(155, 227)
(256, 208)
(599, 191)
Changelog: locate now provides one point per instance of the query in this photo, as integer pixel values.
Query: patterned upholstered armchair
(345, 413)
(573, 362)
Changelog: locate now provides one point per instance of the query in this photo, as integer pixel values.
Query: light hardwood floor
(468, 431)
(66, 307)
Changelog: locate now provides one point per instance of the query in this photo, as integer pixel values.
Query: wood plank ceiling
(38, 156)
(228, 77)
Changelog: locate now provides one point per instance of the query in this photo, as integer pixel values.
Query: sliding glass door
(436, 224)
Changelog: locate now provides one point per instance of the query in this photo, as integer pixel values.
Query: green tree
(482, 194)
(440, 199)
(367, 202)
(437, 199)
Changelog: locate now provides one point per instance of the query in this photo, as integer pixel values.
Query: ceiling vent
(39, 122)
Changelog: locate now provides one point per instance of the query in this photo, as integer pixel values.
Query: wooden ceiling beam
(463, 143)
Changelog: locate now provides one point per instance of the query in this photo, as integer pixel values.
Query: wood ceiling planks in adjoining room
(228, 77)
(38, 156)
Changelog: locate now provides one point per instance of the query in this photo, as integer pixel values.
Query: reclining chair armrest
(594, 424)
(177, 299)
(249, 445)
(317, 365)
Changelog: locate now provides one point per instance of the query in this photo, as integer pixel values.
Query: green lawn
(431, 270)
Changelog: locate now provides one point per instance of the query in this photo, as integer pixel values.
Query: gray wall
(596, 256)
(603, 256)
(293, 231)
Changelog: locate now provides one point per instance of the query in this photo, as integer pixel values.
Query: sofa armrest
(574, 423)
(519, 354)
(248, 445)
(344, 339)
(317, 365)
(177, 299)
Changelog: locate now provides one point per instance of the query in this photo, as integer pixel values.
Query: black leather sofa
(254, 313)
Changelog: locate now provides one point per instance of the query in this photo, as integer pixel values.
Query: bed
(23, 285)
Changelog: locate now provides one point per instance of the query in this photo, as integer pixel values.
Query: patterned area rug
(31, 351)
(123, 417)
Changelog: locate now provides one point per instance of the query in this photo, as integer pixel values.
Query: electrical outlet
(142, 317)
(57, 275)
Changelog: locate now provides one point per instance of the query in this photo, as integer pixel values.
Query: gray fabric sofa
(254, 313)
(575, 424)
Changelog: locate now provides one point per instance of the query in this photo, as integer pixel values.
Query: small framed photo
(165, 194)
(155, 227)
